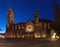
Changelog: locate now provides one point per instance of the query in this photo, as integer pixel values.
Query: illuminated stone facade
(37, 28)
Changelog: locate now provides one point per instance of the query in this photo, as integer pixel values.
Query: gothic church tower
(10, 17)
(36, 24)
(10, 21)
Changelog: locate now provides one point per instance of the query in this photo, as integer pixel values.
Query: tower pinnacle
(36, 19)
(10, 16)
(35, 12)
(10, 9)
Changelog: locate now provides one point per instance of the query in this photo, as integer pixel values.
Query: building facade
(37, 28)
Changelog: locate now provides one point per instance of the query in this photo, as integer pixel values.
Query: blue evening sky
(24, 10)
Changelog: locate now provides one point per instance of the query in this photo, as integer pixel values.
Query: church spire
(10, 16)
(36, 12)
(10, 9)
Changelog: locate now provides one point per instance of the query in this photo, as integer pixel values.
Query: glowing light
(18, 36)
(44, 35)
(22, 36)
(2, 36)
(53, 36)
(29, 28)
(37, 35)
(57, 37)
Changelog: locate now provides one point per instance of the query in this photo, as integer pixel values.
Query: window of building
(22, 27)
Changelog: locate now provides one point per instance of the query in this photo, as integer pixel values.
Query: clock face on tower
(29, 28)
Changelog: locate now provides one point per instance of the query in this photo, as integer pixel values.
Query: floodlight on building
(53, 36)
(37, 36)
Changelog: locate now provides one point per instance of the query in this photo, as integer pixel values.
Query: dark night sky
(24, 9)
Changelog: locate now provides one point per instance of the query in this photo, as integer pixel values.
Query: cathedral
(37, 28)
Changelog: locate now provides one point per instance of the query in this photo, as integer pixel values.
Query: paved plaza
(28, 43)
